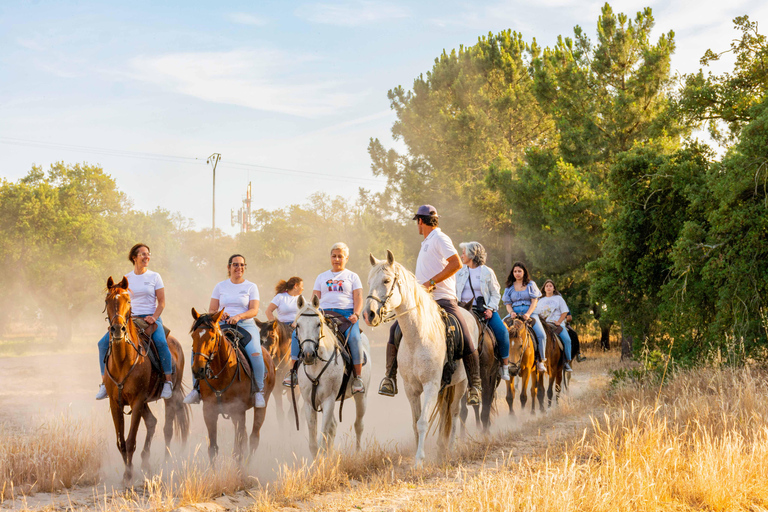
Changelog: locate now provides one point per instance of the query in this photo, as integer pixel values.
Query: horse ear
(374, 261)
(390, 257)
(110, 282)
(259, 323)
(124, 283)
(315, 301)
(195, 314)
(300, 301)
(217, 316)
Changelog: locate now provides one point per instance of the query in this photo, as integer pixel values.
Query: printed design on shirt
(335, 285)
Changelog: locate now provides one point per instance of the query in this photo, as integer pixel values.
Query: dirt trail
(387, 421)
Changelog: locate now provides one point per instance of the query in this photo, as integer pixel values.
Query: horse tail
(181, 419)
(442, 411)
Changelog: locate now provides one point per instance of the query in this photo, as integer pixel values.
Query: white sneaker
(259, 400)
(102, 394)
(193, 397)
(167, 391)
(505, 372)
(357, 386)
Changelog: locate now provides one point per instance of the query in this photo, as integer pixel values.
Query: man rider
(436, 267)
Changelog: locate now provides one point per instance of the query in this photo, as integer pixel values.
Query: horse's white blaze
(202, 332)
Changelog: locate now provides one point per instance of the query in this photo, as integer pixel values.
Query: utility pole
(213, 160)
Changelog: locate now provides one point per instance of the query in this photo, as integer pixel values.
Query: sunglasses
(237, 265)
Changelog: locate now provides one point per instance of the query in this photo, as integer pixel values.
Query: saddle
(454, 345)
(340, 324)
(146, 330)
(485, 330)
(555, 330)
(239, 338)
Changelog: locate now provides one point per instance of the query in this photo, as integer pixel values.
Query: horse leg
(422, 425)
(171, 412)
(463, 413)
(549, 391)
(311, 417)
(454, 411)
(414, 399)
(238, 421)
(277, 397)
(211, 415)
(360, 406)
(539, 381)
(119, 421)
(489, 393)
(259, 415)
(525, 376)
(150, 422)
(511, 395)
(130, 443)
(329, 425)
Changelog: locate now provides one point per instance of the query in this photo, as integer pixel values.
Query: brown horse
(522, 363)
(130, 380)
(489, 374)
(555, 363)
(224, 387)
(276, 339)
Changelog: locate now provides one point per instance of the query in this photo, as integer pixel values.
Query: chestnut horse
(522, 363)
(489, 375)
(555, 364)
(130, 380)
(276, 339)
(224, 387)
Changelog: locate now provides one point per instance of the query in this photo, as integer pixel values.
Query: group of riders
(455, 280)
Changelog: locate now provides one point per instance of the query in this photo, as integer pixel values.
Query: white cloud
(351, 13)
(242, 18)
(259, 79)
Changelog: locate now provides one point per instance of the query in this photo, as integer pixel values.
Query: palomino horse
(555, 364)
(224, 387)
(489, 375)
(321, 374)
(522, 363)
(131, 381)
(394, 293)
(276, 339)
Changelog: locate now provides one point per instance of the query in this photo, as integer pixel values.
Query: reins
(138, 351)
(391, 315)
(208, 371)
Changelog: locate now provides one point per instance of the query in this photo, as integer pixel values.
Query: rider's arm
(562, 317)
(270, 309)
(160, 295)
(213, 307)
(357, 297)
(509, 309)
(532, 308)
(453, 266)
(253, 310)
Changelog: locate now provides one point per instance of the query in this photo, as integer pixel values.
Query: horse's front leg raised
(311, 416)
(211, 415)
(137, 408)
(150, 422)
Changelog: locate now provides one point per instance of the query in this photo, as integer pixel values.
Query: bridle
(525, 345)
(208, 372)
(315, 342)
(127, 337)
(316, 380)
(390, 315)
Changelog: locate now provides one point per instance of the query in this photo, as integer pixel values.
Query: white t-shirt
(466, 293)
(433, 258)
(336, 289)
(143, 288)
(286, 307)
(235, 298)
(551, 308)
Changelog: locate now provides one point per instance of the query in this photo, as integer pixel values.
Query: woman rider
(147, 302)
(283, 307)
(239, 298)
(520, 298)
(475, 280)
(341, 291)
(553, 309)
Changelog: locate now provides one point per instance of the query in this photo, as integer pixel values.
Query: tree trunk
(627, 344)
(605, 336)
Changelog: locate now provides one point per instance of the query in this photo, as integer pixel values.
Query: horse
(555, 364)
(130, 380)
(321, 375)
(489, 375)
(394, 293)
(276, 339)
(224, 388)
(522, 362)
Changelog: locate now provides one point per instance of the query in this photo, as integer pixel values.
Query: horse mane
(204, 320)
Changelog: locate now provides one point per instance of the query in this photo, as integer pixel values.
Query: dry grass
(59, 454)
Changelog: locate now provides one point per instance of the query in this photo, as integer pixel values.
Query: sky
(289, 93)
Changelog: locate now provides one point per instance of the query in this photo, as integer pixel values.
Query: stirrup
(388, 386)
(291, 380)
(358, 386)
(473, 396)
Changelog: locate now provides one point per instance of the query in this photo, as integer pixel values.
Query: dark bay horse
(555, 364)
(522, 363)
(224, 386)
(276, 339)
(489, 374)
(130, 380)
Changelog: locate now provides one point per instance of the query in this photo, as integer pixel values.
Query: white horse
(394, 293)
(321, 374)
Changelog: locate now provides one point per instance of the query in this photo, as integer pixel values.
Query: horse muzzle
(199, 373)
(513, 369)
(117, 332)
(310, 357)
(371, 317)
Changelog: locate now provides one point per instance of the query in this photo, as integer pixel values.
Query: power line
(265, 169)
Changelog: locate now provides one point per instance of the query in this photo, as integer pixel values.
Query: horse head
(385, 293)
(311, 330)
(270, 335)
(118, 308)
(206, 339)
(518, 342)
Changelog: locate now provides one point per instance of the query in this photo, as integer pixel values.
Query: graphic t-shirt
(550, 309)
(433, 258)
(286, 307)
(143, 288)
(466, 293)
(336, 289)
(235, 298)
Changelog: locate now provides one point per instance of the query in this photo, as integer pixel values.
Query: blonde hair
(342, 247)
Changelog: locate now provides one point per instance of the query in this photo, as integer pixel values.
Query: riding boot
(472, 366)
(388, 386)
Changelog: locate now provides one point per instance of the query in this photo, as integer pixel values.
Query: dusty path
(70, 381)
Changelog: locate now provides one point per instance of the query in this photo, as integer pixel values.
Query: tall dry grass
(58, 454)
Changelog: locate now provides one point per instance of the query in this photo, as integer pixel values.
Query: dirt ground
(68, 383)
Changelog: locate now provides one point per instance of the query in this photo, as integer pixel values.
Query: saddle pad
(553, 331)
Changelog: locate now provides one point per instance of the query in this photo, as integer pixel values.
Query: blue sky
(272, 86)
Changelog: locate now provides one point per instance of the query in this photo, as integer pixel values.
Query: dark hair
(511, 277)
(283, 286)
(555, 292)
(428, 220)
(229, 262)
(135, 252)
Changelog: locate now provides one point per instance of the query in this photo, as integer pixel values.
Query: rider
(575, 345)
(239, 298)
(475, 280)
(553, 309)
(283, 307)
(147, 302)
(340, 291)
(520, 298)
(436, 265)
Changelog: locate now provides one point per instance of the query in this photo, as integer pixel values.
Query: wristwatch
(432, 283)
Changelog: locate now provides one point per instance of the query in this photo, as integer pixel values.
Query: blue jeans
(501, 333)
(566, 342)
(537, 328)
(353, 339)
(254, 347)
(166, 361)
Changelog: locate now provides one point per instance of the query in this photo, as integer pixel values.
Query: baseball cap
(427, 210)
